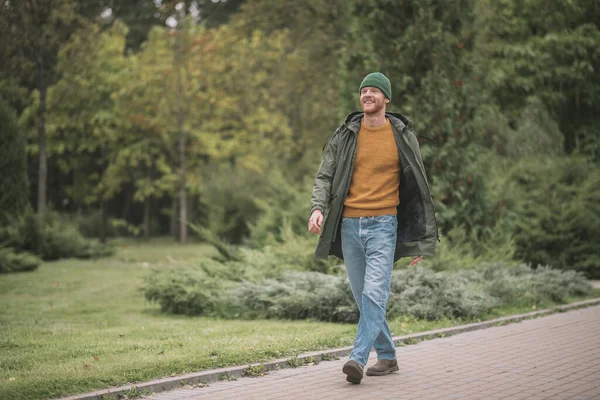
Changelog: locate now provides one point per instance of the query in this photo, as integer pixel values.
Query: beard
(374, 107)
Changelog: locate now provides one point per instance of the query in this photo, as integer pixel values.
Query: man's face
(372, 100)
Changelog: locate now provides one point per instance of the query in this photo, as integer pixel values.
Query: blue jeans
(368, 245)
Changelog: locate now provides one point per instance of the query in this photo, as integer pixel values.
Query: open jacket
(417, 228)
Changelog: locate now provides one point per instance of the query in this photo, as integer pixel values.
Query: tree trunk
(180, 126)
(43, 161)
(173, 224)
(147, 218)
(103, 221)
(127, 202)
(182, 214)
(182, 188)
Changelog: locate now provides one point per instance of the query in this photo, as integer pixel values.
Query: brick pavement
(554, 357)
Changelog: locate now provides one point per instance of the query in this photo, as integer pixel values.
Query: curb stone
(206, 377)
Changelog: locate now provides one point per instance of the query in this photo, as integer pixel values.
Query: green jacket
(417, 228)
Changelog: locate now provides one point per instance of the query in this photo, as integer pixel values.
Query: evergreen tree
(14, 184)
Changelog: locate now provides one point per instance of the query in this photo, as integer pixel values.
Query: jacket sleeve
(321, 192)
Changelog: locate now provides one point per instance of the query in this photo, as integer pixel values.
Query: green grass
(74, 326)
(160, 250)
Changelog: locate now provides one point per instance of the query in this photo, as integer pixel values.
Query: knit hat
(380, 81)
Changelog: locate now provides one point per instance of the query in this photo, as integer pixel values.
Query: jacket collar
(398, 120)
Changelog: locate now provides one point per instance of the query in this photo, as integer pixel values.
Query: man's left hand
(416, 260)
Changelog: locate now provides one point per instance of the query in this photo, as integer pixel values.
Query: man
(371, 204)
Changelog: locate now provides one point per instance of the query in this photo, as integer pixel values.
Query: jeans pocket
(386, 219)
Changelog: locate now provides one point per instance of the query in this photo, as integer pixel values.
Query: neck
(374, 120)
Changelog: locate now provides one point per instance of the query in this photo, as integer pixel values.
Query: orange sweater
(374, 187)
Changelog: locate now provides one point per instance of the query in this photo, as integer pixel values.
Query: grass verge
(74, 326)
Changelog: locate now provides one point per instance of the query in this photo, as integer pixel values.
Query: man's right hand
(315, 221)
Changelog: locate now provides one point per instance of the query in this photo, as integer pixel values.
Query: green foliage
(14, 183)
(90, 223)
(294, 252)
(273, 211)
(32, 32)
(60, 241)
(236, 113)
(17, 262)
(194, 290)
(460, 250)
(523, 286)
(307, 77)
(419, 292)
(81, 110)
(294, 295)
(553, 55)
(283, 206)
(434, 295)
(552, 206)
(50, 238)
(227, 203)
(198, 288)
(226, 251)
(255, 371)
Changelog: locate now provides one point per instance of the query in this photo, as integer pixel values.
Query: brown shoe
(383, 367)
(354, 371)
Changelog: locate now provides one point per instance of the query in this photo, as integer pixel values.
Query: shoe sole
(353, 374)
(381, 373)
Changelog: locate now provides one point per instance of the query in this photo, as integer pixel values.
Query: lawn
(73, 326)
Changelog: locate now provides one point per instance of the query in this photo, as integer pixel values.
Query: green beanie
(380, 81)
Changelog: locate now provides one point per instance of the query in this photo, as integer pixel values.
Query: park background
(157, 159)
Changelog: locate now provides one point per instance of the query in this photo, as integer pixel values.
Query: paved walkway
(554, 357)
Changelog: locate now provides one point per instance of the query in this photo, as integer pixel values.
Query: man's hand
(416, 260)
(315, 221)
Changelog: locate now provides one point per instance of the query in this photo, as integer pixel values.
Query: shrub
(526, 286)
(294, 252)
(189, 290)
(90, 226)
(294, 295)
(64, 241)
(460, 250)
(193, 290)
(50, 238)
(17, 262)
(419, 292)
(432, 295)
